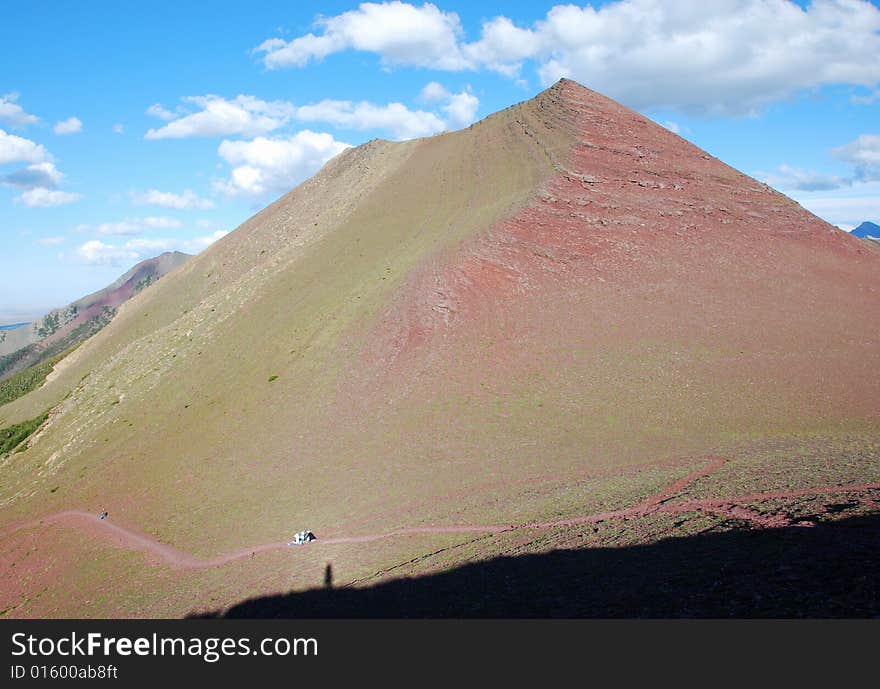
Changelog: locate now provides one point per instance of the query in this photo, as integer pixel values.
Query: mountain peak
(867, 229)
(561, 303)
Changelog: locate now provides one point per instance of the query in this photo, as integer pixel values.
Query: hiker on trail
(104, 514)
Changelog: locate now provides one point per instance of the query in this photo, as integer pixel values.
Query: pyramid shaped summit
(616, 197)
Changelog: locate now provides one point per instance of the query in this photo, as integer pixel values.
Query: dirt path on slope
(659, 502)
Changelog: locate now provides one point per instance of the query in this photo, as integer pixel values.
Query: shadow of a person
(328, 576)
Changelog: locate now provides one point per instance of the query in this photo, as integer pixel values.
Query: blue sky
(163, 125)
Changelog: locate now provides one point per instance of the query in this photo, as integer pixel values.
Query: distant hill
(867, 229)
(64, 328)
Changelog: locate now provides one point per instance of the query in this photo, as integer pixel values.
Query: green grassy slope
(30, 379)
(195, 351)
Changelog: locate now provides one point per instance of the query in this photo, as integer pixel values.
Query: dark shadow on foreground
(830, 570)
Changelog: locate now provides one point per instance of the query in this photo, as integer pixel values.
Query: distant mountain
(63, 328)
(867, 229)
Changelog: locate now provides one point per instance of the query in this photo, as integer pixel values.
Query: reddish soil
(659, 502)
(656, 211)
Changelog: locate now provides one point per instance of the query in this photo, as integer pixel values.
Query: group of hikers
(302, 537)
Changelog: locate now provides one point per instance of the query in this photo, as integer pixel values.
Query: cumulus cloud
(41, 197)
(13, 114)
(713, 58)
(35, 175)
(845, 208)
(166, 199)
(863, 154)
(17, 149)
(396, 118)
(194, 246)
(400, 33)
(248, 116)
(433, 92)
(158, 111)
(503, 47)
(794, 179)
(266, 165)
(461, 108)
(72, 125)
(217, 116)
(131, 226)
(118, 129)
(38, 179)
(97, 252)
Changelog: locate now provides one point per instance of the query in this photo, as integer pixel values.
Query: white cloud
(147, 246)
(118, 128)
(156, 110)
(13, 114)
(248, 116)
(244, 116)
(790, 178)
(97, 252)
(194, 246)
(35, 175)
(396, 118)
(724, 57)
(844, 210)
(433, 92)
(266, 165)
(845, 207)
(863, 154)
(151, 247)
(672, 126)
(38, 179)
(130, 226)
(41, 197)
(721, 57)
(399, 32)
(17, 149)
(72, 125)
(166, 199)
(51, 241)
(503, 47)
(462, 108)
